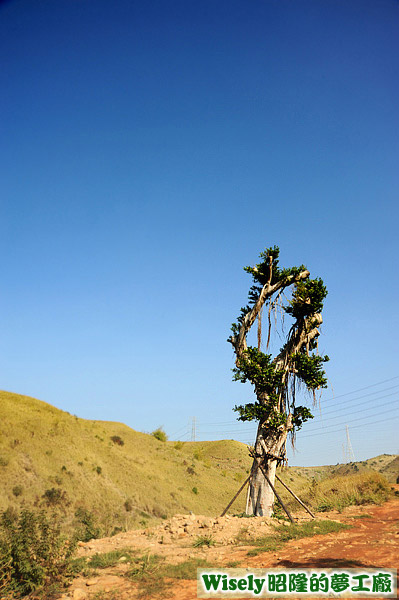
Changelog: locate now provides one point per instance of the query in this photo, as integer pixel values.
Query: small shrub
(190, 471)
(198, 455)
(17, 490)
(3, 461)
(87, 528)
(195, 490)
(178, 445)
(98, 470)
(204, 540)
(159, 434)
(117, 440)
(35, 555)
(55, 497)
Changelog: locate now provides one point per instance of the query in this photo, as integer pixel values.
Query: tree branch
(268, 290)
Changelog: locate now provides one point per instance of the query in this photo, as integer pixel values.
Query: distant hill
(53, 459)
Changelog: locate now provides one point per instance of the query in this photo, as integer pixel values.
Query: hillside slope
(43, 449)
(53, 459)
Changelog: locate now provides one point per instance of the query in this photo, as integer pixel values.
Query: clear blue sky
(150, 150)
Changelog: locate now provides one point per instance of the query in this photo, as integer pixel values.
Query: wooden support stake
(275, 492)
(236, 496)
(295, 496)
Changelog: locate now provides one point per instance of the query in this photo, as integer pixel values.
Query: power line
(328, 412)
(219, 423)
(353, 427)
(351, 421)
(362, 389)
(229, 431)
(356, 411)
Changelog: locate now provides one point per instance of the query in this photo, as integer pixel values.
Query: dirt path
(372, 541)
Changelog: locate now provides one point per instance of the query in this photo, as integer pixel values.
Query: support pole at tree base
(295, 496)
(259, 466)
(236, 496)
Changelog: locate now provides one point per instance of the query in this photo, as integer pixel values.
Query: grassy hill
(123, 477)
(43, 449)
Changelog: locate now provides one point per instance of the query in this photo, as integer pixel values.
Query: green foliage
(272, 386)
(261, 412)
(258, 368)
(34, 554)
(301, 414)
(159, 434)
(309, 369)
(261, 271)
(195, 491)
(307, 298)
(87, 528)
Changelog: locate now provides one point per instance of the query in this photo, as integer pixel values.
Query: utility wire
(352, 427)
(349, 406)
(343, 414)
(218, 423)
(324, 428)
(361, 389)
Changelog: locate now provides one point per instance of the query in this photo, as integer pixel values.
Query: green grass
(184, 570)
(109, 559)
(204, 540)
(155, 577)
(284, 534)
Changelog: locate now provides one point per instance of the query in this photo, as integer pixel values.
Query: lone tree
(276, 379)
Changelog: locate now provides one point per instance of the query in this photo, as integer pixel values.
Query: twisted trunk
(269, 446)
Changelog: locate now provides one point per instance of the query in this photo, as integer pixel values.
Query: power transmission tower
(350, 456)
(193, 428)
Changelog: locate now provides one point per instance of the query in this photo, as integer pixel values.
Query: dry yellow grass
(43, 449)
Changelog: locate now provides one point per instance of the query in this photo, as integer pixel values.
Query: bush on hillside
(34, 554)
(117, 440)
(159, 434)
(55, 497)
(87, 528)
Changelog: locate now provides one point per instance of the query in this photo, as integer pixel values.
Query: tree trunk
(268, 445)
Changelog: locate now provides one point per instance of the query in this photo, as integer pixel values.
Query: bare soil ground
(372, 541)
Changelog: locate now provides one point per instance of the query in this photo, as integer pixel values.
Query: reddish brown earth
(372, 541)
